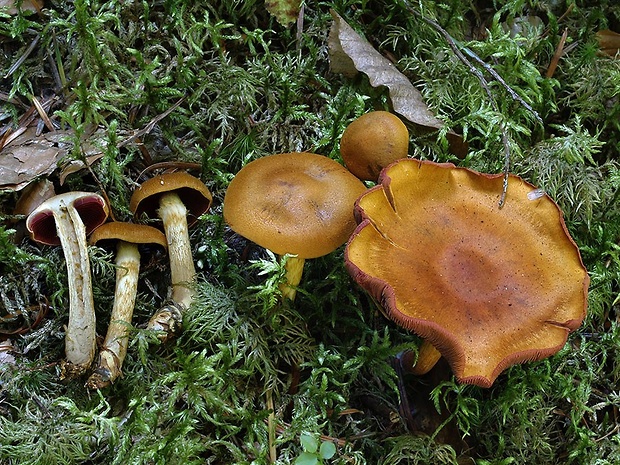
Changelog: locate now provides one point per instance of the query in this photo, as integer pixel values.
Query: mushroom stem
(428, 357)
(294, 270)
(173, 214)
(80, 343)
(114, 347)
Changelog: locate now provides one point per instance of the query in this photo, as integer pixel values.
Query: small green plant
(314, 454)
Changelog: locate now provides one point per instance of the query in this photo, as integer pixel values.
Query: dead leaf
(27, 5)
(5, 357)
(34, 195)
(350, 53)
(29, 156)
(609, 42)
(77, 165)
(285, 11)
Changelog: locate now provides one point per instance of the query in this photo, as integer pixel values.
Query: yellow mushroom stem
(428, 356)
(294, 270)
(114, 347)
(173, 213)
(80, 342)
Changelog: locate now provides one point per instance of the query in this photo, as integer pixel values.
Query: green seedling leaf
(327, 450)
(307, 458)
(309, 443)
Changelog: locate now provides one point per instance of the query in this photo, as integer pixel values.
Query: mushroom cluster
(127, 237)
(487, 287)
(373, 141)
(67, 219)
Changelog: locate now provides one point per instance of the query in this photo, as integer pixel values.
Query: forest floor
(99, 96)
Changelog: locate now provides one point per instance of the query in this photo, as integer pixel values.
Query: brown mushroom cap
(191, 190)
(90, 206)
(488, 287)
(128, 232)
(297, 203)
(373, 141)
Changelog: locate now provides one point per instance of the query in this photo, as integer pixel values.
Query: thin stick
(456, 48)
(271, 427)
(150, 125)
(23, 58)
(559, 52)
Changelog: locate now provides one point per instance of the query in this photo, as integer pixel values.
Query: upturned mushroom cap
(373, 141)
(91, 207)
(191, 190)
(488, 287)
(128, 232)
(298, 203)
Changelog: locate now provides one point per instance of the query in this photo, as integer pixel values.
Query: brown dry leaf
(609, 41)
(285, 11)
(350, 53)
(29, 156)
(33, 195)
(77, 165)
(5, 357)
(27, 5)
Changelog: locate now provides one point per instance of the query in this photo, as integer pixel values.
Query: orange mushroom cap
(192, 192)
(373, 141)
(298, 203)
(128, 232)
(489, 287)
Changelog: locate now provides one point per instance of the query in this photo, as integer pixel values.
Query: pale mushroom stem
(80, 342)
(114, 347)
(173, 213)
(428, 356)
(294, 270)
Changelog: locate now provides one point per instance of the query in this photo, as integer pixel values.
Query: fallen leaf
(350, 53)
(29, 156)
(77, 165)
(5, 357)
(609, 42)
(34, 195)
(27, 5)
(285, 11)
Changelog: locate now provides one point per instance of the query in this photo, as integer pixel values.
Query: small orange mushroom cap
(193, 193)
(298, 203)
(128, 232)
(489, 287)
(373, 141)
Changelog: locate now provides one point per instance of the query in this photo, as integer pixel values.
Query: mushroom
(127, 237)
(373, 141)
(66, 219)
(488, 287)
(178, 199)
(296, 203)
